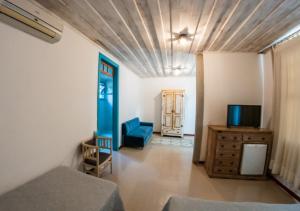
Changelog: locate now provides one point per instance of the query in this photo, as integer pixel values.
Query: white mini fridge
(254, 159)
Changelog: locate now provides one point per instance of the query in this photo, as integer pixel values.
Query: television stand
(238, 153)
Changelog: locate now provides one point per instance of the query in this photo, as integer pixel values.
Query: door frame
(115, 135)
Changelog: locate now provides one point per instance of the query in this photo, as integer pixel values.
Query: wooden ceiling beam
(206, 25)
(288, 7)
(237, 45)
(274, 33)
(150, 38)
(195, 33)
(154, 70)
(241, 13)
(115, 34)
(242, 24)
(164, 33)
(224, 24)
(136, 31)
(171, 32)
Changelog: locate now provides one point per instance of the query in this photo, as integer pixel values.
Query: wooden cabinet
(172, 116)
(225, 150)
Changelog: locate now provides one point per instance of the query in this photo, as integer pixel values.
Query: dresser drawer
(229, 136)
(226, 163)
(226, 170)
(171, 131)
(228, 145)
(257, 137)
(227, 154)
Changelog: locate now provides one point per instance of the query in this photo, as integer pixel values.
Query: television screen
(243, 116)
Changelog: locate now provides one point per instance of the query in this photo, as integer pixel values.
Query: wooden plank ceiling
(137, 32)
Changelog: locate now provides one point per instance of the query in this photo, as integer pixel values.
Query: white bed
(63, 189)
(176, 203)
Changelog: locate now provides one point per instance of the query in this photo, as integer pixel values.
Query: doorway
(108, 100)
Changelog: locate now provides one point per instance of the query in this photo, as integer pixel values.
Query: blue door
(107, 100)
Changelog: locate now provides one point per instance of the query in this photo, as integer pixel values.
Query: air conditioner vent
(32, 19)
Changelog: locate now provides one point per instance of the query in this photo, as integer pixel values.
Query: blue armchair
(136, 133)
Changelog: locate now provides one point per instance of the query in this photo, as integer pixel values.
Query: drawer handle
(222, 146)
(234, 137)
(220, 162)
(221, 154)
(231, 162)
(233, 146)
(230, 171)
(249, 138)
(223, 137)
(263, 138)
(233, 155)
(219, 170)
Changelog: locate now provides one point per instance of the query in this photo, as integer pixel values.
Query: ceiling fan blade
(188, 38)
(174, 34)
(173, 39)
(184, 31)
(190, 35)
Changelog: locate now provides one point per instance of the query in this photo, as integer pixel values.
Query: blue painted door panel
(108, 101)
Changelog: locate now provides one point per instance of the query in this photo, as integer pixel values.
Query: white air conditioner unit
(32, 19)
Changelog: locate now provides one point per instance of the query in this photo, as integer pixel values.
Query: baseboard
(188, 134)
(185, 134)
(287, 189)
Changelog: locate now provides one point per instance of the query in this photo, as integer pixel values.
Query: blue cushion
(131, 125)
(147, 129)
(141, 132)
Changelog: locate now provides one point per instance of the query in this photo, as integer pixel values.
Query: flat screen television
(243, 116)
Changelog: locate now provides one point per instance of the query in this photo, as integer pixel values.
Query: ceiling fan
(179, 67)
(183, 34)
(176, 70)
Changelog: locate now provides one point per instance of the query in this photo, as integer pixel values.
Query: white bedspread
(176, 203)
(63, 189)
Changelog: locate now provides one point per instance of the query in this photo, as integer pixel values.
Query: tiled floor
(187, 141)
(148, 177)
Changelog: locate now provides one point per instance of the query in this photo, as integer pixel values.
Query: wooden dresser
(225, 150)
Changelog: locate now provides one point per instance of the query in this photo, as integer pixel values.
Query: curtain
(286, 125)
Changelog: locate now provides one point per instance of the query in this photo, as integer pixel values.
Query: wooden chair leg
(97, 173)
(83, 168)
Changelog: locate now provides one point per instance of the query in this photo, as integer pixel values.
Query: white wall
(48, 101)
(229, 78)
(267, 85)
(151, 100)
(130, 97)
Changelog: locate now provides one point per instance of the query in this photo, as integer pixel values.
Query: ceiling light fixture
(183, 35)
(176, 70)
